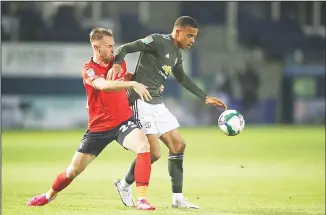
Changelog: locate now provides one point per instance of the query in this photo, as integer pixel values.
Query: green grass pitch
(264, 170)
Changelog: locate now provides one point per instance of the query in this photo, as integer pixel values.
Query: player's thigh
(93, 143)
(173, 141)
(131, 137)
(136, 141)
(144, 114)
(165, 121)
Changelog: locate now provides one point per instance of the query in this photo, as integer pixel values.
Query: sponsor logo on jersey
(164, 75)
(167, 55)
(147, 40)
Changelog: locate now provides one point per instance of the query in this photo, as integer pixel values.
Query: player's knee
(155, 155)
(74, 171)
(143, 145)
(178, 147)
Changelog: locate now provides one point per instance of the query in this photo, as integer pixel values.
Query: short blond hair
(99, 33)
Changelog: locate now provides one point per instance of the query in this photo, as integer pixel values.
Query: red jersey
(106, 110)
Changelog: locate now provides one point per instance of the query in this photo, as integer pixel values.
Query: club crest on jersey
(147, 40)
(167, 69)
(90, 73)
(147, 125)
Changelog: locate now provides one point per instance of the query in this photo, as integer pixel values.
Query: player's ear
(177, 32)
(95, 47)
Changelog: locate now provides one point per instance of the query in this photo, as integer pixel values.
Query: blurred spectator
(220, 87)
(4, 35)
(5, 8)
(32, 25)
(249, 82)
(295, 58)
(66, 27)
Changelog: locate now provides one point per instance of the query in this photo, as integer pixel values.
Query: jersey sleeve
(151, 43)
(89, 75)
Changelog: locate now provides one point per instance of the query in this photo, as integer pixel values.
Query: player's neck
(99, 61)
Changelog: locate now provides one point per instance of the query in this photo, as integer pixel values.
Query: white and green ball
(231, 122)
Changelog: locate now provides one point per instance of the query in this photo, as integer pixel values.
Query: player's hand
(215, 102)
(110, 75)
(142, 91)
(116, 68)
(161, 88)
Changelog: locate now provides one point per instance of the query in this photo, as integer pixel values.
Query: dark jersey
(158, 58)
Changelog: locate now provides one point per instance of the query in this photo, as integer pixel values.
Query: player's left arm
(187, 83)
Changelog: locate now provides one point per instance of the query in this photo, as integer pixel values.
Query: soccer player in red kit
(110, 118)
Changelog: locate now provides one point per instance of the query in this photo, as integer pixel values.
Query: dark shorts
(95, 142)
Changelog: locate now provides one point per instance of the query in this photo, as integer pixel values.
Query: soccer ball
(231, 122)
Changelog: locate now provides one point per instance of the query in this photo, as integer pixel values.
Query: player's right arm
(99, 83)
(128, 76)
(150, 44)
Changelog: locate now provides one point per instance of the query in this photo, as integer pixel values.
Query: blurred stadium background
(265, 59)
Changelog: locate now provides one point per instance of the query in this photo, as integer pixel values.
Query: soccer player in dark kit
(110, 118)
(160, 55)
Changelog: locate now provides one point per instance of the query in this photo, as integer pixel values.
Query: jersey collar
(99, 66)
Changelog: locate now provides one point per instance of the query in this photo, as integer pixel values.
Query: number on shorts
(124, 128)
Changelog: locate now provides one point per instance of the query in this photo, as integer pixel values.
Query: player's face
(186, 37)
(106, 49)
